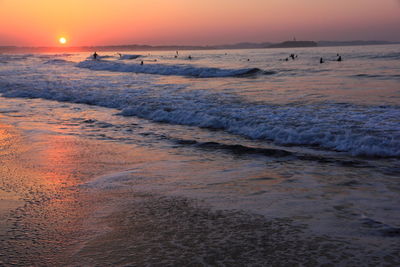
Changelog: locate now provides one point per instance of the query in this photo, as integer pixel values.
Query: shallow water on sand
(99, 188)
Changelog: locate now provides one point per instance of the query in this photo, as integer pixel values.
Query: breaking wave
(355, 129)
(128, 57)
(161, 69)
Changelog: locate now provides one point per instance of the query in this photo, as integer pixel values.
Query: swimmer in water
(321, 60)
(95, 55)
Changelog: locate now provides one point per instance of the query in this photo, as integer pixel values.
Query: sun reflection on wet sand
(42, 206)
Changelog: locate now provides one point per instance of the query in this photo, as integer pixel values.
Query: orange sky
(105, 22)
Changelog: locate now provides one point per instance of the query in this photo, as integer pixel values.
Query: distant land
(293, 44)
(135, 47)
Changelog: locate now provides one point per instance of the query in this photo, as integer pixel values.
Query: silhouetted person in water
(120, 55)
(141, 63)
(95, 55)
(292, 56)
(189, 57)
(321, 60)
(339, 58)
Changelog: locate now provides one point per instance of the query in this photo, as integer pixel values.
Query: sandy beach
(53, 216)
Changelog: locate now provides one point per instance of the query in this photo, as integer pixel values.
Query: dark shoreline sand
(52, 220)
(141, 229)
(153, 230)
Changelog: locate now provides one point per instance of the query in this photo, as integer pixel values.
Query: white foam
(162, 69)
(371, 131)
(128, 57)
(357, 129)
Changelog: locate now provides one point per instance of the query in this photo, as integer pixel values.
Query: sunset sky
(159, 22)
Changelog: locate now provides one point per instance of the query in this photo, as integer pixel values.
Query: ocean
(244, 157)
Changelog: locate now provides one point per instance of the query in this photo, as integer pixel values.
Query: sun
(62, 40)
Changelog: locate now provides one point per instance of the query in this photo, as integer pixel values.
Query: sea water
(251, 130)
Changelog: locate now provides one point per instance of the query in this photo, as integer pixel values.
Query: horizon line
(195, 45)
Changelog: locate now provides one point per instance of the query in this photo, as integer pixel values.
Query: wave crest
(161, 69)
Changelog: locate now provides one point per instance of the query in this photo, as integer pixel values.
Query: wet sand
(42, 208)
(50, 217)
(8, 203)
(159, 231)
(151, 230)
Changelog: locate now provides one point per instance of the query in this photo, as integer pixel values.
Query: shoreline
(75, 225)
(72, 216)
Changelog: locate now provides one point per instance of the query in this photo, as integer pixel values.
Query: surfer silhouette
(339, 58)
(95, 55)
(321, 60)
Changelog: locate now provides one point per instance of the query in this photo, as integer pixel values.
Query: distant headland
(293, 44)
(136, 47)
